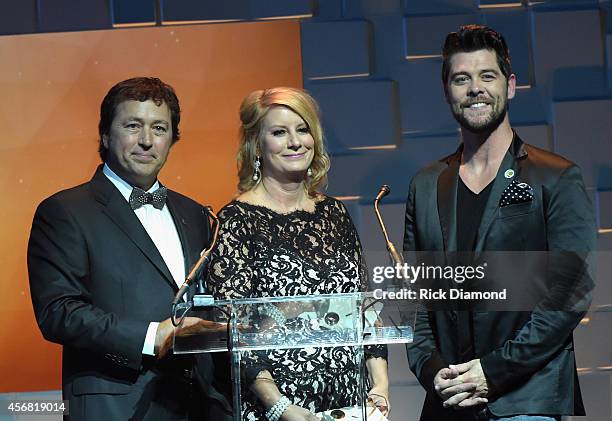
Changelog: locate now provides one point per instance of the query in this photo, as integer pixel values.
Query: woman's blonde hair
(254, 108)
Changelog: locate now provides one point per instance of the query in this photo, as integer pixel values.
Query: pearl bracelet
(277, 410)
(275, 314)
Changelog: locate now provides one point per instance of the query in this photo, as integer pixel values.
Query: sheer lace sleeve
(231, 267)
(232, 272)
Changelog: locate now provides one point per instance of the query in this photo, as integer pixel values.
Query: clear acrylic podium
(309, 322)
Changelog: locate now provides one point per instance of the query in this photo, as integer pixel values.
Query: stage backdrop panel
(52, 86)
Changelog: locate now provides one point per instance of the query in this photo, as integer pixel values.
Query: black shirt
(470, 207)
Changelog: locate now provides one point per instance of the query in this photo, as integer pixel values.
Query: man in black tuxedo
(105, 260)
(496, 193)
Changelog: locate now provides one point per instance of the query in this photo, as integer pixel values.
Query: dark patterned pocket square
(516, 192)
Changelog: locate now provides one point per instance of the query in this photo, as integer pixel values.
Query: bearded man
(497, 193)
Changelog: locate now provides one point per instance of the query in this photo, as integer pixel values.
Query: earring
(257, 172)
(309, 172)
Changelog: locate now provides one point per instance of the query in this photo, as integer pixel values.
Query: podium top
(325, 320)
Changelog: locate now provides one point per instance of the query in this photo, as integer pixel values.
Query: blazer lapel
(447, 201)
(509, 170)
(447, 209)
(119, 211)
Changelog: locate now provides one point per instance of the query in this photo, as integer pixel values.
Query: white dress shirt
(160, 226)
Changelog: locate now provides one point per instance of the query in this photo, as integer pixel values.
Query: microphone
(396, 257)
(202, 262)
(384, 190)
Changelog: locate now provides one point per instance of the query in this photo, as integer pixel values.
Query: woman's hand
(297, 413)
(379, 397)
(265, 389)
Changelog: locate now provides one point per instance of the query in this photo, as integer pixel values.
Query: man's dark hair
(471, 38)
(137, 89)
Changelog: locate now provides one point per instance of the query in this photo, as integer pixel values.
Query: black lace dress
(261, 253)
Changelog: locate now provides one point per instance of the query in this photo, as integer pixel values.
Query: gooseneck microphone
(202, 262)
(395, 256)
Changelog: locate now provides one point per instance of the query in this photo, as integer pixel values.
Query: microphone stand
(396, 257)
(397, 260)
(200, 299)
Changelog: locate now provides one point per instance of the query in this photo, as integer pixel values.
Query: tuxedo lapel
(182, 228)
(120, 213)
(191, 228)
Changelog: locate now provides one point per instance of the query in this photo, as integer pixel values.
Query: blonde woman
(282, 237)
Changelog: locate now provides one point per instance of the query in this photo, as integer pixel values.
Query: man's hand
(189, 326)
(469, 373)
(448, 384)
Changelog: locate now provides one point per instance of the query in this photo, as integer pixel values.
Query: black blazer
(97, 280)
(527, 356)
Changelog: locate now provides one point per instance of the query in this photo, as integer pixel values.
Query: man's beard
(487, 125)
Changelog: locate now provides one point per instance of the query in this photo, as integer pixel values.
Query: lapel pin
(509, 173)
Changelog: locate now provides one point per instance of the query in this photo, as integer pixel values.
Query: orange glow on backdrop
(52, 86)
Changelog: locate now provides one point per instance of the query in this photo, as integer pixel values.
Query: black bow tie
(139, 198)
